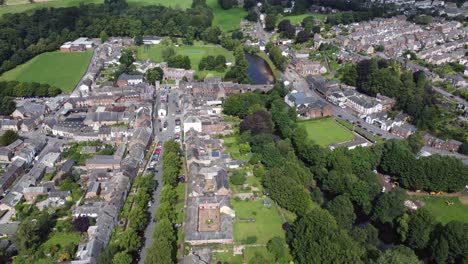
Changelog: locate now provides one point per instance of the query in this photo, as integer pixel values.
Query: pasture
(62, 70)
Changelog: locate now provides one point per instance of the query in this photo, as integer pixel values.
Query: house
(221, 183)
(30, 110)
(50, 159)
(151, 40)
(5, 154)
(307, 67)
(363, 105)
(126, 79)
(192, 122)
(448, 145)
(31, 193)
(8, 124)
(94, 189)
(314, 109)
(103, 162)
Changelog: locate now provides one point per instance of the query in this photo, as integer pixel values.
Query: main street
(163, 136)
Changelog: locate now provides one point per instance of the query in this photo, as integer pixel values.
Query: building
(151, 40)
(103, 162)
(127, 79)
(192, 122)
(448, 145)
(78, 45)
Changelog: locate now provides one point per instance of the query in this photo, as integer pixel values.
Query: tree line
(163, 249)
(295, 171)
(23, 36)
(125, 244)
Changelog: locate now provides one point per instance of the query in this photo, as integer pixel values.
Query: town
(234, 132)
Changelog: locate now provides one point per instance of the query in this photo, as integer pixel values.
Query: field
(444, 213)
(297, 19)
(195, 53)
(227, 20)
(14, 6)
(63, 70)
(266, 222)
(326, 131)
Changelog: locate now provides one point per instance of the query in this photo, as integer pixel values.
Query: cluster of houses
(307, 107)
(397, 35)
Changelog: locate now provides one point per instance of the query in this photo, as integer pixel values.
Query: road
(450, 96)
(163, 136)
(300, 84)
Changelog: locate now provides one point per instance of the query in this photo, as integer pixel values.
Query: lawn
(62, 239)
(63, 70)
(195, 53)
(326, 131)
(14, 6)
(266, 225)
(227, 20)
(250, 252)
(227, 257)
(183, 4)
(443, 212)
(232, 147)
(297, 19)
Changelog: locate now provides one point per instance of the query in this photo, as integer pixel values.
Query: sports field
(297, 19)
(195, 53)
(227, 20)
(445, 213)
(325, 131)
(63, 70)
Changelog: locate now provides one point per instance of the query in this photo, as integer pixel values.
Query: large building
(78, 45)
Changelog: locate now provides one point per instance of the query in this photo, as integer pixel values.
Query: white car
(177, 129)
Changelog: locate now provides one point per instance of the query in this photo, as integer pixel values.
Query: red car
(157, 151)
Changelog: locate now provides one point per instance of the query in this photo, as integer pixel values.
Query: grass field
(227, 257)
(250, 252)
(195, 53)
(63, 70)
(444, 213)
(266, 225)
(19, 6)
(227, 20)
(297, 19)
(326, 131)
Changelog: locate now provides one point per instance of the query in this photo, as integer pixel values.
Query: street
(163, 136)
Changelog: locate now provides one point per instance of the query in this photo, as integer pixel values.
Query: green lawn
(325, 131)
(227, 257)
(232, 147)
(195, 53)
(63, 70)
(250, 252)
(183, 4)
(443, 212)
(14, 6)
(227, 20)
(62, 239)
(297, 19)
(267, 222)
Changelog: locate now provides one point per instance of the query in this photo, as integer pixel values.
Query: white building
(162, 111)
(192, 122)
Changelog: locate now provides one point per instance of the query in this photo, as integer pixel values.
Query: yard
(325, 131)
(443, 212)
(17, 6)
(227, 20)
(195, 53)
(255, 220)
(63, 70)
(57, 244)
(227, 257)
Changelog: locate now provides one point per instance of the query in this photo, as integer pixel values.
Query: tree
(420, 227)
(139, 40)
(398, 255)
(165, 211)
(258, 123)
(166, 53)
(258, 259)
(129, 240)
(237, 178)
(276, 247)
(318, 232)
(127, 57)
(168, 194)
(238, 104)
(389, 206)
(153, 75)
(302, 36)
(343, 211)
(270, 22)
(348, 74)
(415, 142)
(8, 137)
(81, 224)
(212, 34)
(104, 36)
(227, 4)
(451, 243)
(252, 16)
(122, 258)
(463, 149)
(367, 235)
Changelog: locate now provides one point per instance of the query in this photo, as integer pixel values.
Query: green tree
(104, 36)
(237, 178)
(276, 247)
(165, 211)
(420, 227)
(122, 258)
(389, 206)
(129, 240)
(451, 243)
(415, 142)
(398, 255)
(154, 74)
(8, 137)
(167, 52)
(270, 22)
(343, 211)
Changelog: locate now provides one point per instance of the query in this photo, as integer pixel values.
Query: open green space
(183, 4)
(253, 219)
(227, 20)
(325, 131)
(297, 19)
(195, 53)
(63, 70)
(250, 252)
(227, 257)
(445, 213)
(14, 6)
(56, 244)
(232, 147)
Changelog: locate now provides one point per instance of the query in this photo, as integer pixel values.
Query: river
(259, 71)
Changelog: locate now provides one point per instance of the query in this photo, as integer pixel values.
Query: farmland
(325, 131)
(63, 70)
(195, 53)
